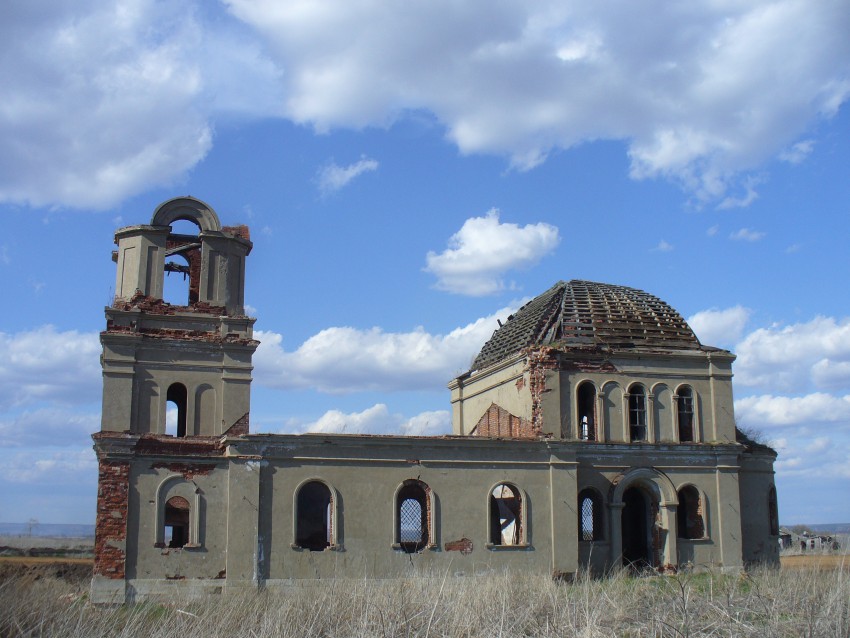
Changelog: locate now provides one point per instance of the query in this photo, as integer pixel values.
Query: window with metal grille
(637, 413)
(590, 516)
(686, 414)
(412, 516)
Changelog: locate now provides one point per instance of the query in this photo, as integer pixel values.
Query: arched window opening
(773, 512)
(590, 516)
(175, 413)
(587, 411)
(176, 532)
(689, 513)
(313, 517)
(637, 413)
(412, 517)
(505, 515)
(686, 414)
(182, 277)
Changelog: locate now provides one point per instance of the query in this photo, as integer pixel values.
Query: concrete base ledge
(108, 591)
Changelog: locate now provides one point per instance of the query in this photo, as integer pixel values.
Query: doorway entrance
(636, 522)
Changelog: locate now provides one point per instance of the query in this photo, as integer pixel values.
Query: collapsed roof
(590, 315)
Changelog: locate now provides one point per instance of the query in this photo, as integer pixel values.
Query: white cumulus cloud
(47, 365)
(699, 93)
(796, 357)
(799, 376)
(345, 359)
(484, 249)
(104, 100)
(379, 420)
(47, 426)
(46, 467)
(716, 327)
(333, 177)
(770, 410)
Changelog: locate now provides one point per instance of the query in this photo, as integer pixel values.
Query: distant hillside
(54, 530)
(835, 528)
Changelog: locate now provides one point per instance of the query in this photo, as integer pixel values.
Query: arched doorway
(637, 528)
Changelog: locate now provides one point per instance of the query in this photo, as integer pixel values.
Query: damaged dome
(590, 315)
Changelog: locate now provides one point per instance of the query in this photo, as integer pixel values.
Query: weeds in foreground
(764, 603)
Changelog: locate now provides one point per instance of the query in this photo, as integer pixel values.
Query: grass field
(810, 597)
(816, 561)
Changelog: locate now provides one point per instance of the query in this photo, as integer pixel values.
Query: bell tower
(192, 361)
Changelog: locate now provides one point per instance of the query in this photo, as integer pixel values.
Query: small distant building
(786, 539)
(593, 431)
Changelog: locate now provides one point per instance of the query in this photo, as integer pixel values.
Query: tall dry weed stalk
(763, 603)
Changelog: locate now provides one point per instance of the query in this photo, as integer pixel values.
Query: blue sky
(411, 172)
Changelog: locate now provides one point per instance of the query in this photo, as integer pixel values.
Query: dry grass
(45, 560)
(806, 602)
(823, 561)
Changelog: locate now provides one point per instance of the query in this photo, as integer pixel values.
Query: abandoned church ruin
(594, 430)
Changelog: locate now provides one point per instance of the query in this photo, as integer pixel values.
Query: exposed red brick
(587, 365)
(539, 361)
(208, 336)
(113, 485)
(178, 503)
(188, 470)
(240, 428)
(463, 545)
(241, 231)
(154, 306)
(158, 444)
(498, 422)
